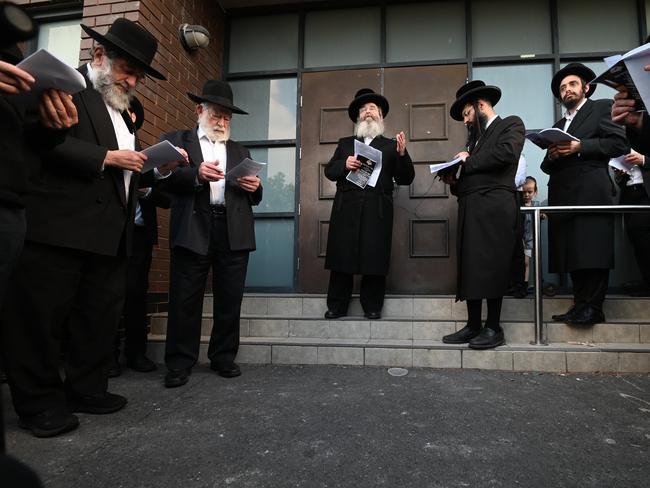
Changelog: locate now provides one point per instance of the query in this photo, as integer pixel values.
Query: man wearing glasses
(211, 226)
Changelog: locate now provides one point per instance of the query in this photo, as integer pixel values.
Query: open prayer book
(546, 137)
(627, 69)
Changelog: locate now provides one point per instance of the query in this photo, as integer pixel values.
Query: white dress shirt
(569, 116)
(214, 151)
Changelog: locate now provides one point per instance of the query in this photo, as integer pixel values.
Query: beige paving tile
(377, 356)
(382, 329)
(398, 307)
(516, 309)
(518, 333)
(349, 329)
(436, 358)
(432, 330)
(644, 330)
(592, 362)
(254, 354)
(341, 355)
(560, 332)
(493, 360)
(616, 333)
(433, 308)
(309, 328)
(244, 328)
(294, 354)
(287, 307)
(254, 306)
(550, 361)
(627, 309)
(630, 362)
(269, 328)
(314, 307)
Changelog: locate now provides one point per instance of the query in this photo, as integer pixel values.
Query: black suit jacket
(640, 142)
(73, 202)
(190, 216)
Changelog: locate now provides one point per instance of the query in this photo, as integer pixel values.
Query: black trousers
(590, 287)
(58, 293)
(371, 294)
(637, 226)
(189, 272)
(134, 317)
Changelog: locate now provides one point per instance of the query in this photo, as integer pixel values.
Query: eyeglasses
(220, 116)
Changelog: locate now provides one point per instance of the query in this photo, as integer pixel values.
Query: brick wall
(166, 104)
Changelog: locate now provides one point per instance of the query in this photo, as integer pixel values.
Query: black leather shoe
(331, 314)
(226, 370)
(372, 315)
(487, 339)
(176, 377)
(564, 316)
(97, 403)
(141, 364)
(114, 369)
(461, 336)
(49, 423)
(586, 316)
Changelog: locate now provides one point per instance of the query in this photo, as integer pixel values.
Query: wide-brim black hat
(219, 92)
(132, 40)
(363, 96)
(577, 69)
(470, 92)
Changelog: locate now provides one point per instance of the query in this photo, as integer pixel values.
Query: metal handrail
(541, 332)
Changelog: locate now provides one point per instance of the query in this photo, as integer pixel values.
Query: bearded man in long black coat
(488, 211)
(361, 224)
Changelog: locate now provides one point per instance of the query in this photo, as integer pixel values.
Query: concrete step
(439, 307)
(556, 357)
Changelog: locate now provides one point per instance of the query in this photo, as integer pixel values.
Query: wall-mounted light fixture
(193, 37)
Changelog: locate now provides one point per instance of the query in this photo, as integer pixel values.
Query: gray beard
(102, 80)
(210, 132)
(370, 128)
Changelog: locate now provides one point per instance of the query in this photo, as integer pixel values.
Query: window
(62, 38)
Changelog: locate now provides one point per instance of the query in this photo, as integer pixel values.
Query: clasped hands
(212, 171)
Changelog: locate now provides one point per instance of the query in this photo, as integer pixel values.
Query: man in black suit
(70, 279)
(212, 226)
(488, 210)
(582, 244)
(361, 223)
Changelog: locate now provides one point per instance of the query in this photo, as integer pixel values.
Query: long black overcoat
(584, 241)
(361, 223)
(488, 213)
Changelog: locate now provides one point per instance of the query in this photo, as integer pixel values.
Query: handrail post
(540, 327)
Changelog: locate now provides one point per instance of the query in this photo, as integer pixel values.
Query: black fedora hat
(219, 92)
(132, 40)
(363, 96)
(577, 69)
(473, 91)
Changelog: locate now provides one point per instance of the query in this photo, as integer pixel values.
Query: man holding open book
(582, 244)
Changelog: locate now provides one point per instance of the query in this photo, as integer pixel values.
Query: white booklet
(438, 166)
(368, 173)
(627, 69)
(620, 164)
(50, 72)
(162, 153)
(546, 137)
(247, 167)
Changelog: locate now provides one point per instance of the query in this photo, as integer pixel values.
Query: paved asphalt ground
(329, 426)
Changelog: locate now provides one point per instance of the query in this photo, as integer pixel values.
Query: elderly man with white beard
(71, 277)
(212, 227)
(361, 223)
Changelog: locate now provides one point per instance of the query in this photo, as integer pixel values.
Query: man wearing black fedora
(361, 223)
(212, 227)
(579, 176)
(70, 279)
(488, 210)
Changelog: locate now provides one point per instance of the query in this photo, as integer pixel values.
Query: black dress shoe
(462, 336)
(372, 315)
(226, 370)
(331, 314)
(141, 364)
(586, 316)
(487, 339)
(176, 377)
(97, 403)
(49, 423)
(114, 369)
(564, 316)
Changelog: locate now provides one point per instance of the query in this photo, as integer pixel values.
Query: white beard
(213, 135)
(102, 80)
(369, 128)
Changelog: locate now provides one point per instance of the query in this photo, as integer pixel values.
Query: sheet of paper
(364, 152)
(162, 153)
(50, 72)
(247, 167)
(546, 137)
(437, 167)
(620, 164)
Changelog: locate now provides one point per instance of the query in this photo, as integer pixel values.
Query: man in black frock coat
(69, 282)
(582, 244)
(212, 227)
(361, 223)
(488, 210)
